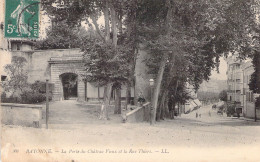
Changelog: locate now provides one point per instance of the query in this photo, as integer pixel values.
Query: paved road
(73, 126)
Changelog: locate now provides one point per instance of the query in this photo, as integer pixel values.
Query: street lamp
(151, 81)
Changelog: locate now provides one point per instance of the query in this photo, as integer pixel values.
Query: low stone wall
(139, 114)
(21, 114)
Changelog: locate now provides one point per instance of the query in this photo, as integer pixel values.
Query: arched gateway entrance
(66, 75)
(69, 85)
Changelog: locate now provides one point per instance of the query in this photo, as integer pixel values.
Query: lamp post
(151, 81)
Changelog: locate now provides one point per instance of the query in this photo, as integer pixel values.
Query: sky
(222, 71)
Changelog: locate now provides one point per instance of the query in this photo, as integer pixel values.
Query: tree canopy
(184, 39)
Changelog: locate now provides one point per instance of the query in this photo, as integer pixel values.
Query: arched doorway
(69, 85)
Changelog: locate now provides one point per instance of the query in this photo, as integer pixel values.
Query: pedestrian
(196, 115)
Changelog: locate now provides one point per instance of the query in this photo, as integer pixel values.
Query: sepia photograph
(130, 80)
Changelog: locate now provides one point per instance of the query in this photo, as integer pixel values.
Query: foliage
(179, 93)
(104, 63)
(207, 96)
(185, 39)
(31, 97)
(39, 86)
(254, 84)
(223, 95)
(17, 81)
(36, 93)
(62, 36)
(10, 99)
(257, 102)
(231, 109)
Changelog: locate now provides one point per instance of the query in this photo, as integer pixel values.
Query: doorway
(69, 85)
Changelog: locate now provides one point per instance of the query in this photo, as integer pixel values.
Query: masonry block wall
(21, 114)
(57, 69)
(51, 64)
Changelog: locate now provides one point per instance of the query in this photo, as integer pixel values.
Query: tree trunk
(165, 108)
(105, 104)
(117, 101)
(107, 26)
(158, 87)
(114, 28)
(161, 105)
(127, 95)
(173, 110)
(162, 65)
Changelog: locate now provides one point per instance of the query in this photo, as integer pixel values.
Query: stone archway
(69, 83)
(61, 69)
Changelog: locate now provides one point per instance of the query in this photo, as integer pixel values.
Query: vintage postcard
(136, 80)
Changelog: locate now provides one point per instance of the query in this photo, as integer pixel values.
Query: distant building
(234, 80)
(239, 73)
(248, 97)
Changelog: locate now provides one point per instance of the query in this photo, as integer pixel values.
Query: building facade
(234, 80)
(238, 77)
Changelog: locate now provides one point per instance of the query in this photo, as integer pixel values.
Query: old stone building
(64, 68)
(239, 73)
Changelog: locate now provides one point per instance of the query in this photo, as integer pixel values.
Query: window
(250, 96)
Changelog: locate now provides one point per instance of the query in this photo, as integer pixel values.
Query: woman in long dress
(19, 15)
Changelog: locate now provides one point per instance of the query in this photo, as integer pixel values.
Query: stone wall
(21, 114)
(50, 64)
(250, 111)
(58, 69)
(38, 66)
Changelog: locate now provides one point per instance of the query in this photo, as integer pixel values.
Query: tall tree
(200, 31)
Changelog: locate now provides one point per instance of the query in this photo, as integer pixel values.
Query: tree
(17, 82)
(223, 95)
(176, 37)
(62, 36)
(254, 84)
(200, 31)
(193, 34)
(108, 37)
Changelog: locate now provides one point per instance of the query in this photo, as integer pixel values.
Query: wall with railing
(140, 114)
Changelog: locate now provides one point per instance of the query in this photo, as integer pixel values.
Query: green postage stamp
(22, 18)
